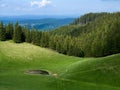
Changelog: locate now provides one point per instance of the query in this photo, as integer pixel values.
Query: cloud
(18, 8)
(3, 5)
(22, 9)
(110, 0)
(40, 3)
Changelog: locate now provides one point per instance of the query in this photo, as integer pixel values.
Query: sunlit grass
(66, 72)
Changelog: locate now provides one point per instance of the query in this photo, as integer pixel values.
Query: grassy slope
(72, 73)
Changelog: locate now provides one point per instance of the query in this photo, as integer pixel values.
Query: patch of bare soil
(42, 72)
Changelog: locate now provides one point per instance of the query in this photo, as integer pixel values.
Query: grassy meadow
(66, 72)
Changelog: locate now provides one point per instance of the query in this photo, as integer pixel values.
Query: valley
(67, 72)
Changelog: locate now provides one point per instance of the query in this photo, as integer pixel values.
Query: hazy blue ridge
(40, 23)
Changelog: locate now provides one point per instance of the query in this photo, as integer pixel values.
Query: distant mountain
(19, 17)
(38, 22)
(46, 24)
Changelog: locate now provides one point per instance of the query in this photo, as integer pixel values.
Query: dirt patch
(42, 72)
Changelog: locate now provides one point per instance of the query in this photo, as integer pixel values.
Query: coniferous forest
(91, 35)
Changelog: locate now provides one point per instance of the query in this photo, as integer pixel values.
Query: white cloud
(22, 9)
(40, 3)
(3, 5)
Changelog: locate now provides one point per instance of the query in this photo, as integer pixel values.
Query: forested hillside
(92, 35)
(98, 36)
(88, 18)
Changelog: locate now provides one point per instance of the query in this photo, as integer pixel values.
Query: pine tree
(45, 39)
(9, 31)
(32, 36)
(17, 33)
(2, 32)
(28, 36)
(37, 38)
(52, 42)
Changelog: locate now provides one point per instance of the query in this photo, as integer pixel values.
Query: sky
(57, 7)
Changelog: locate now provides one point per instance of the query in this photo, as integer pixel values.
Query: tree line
(62, 44)
(98, 33)
(97, 37)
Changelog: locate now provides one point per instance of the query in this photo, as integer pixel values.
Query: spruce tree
(2, 32)
(45, 39)
(17, 33)
(28, 36)
(32, 36)
(37, 38)
(9, 31)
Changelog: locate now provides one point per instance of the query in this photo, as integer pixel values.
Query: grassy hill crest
(73, 73)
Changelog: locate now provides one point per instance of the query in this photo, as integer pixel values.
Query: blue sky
(57, 7)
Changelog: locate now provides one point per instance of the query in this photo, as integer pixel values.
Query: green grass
(73, 73)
